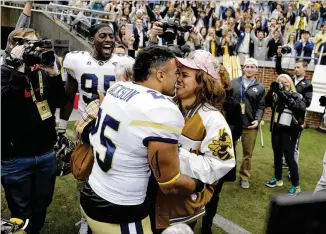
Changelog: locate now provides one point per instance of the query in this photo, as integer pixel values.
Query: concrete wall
(46, 26)
(9, 17)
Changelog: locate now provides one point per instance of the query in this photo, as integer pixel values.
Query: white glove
(17, 52)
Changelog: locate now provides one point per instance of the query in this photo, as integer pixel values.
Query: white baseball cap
(251, 61)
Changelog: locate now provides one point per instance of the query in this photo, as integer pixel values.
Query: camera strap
(42, 106)
(40, 84)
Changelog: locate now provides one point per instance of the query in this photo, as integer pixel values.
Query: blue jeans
(284, 144)
(29, 185)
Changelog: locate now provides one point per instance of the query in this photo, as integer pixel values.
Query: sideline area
(246, 208)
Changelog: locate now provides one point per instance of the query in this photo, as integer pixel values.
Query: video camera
(286, 49)
(170, 28)
(31, 56)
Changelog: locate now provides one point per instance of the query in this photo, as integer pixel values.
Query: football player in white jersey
(90, 74)
(137, 129)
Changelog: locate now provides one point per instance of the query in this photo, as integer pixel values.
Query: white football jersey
(129, 117)
(91, 75)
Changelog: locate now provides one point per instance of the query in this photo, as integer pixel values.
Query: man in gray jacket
(260, 44)
(250, 93)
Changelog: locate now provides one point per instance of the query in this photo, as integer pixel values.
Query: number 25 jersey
(91, 75)
(130, 116)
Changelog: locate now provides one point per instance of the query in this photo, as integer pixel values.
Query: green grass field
(247, 208)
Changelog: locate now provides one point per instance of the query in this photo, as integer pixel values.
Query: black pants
(29, 185)
(284, 144)
(211, 207)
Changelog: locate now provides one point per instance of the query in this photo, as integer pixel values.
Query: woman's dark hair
(149, 58)
(120, 34)
(209, 90)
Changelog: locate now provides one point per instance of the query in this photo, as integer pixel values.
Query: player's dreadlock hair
(149, 58)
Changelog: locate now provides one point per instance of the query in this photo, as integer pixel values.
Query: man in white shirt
(244, 47)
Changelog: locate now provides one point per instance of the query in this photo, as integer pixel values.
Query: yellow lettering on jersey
(165, 127)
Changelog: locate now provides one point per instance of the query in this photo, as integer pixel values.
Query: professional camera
(286, 49)
(32, 56)
(170, 28)
(277, 86)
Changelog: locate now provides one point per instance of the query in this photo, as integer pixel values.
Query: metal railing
(320, 55)
(55, 9)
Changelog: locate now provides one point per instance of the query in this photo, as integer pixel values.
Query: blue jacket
(308, 48)
(241, 37)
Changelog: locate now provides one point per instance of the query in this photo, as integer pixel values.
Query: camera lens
(286, 50)
(44, 58)
(47, 58)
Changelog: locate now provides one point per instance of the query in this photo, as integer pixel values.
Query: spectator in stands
(202, 19)
(97, 6)
(304, 47)
(278, 12)
(258, 27)
(227, 14)
(288, 113)
(156, 15)
(203, 33)
(228, 45)
(322, 14)
(289, 58)
(245, 46)
(218, 28)
(301, 24)
(320, 37)
(313, 20)
(29, 97)
(140, 34)
(123, 20)
(250, 93)
(274, 43)
(290, 20)
(212, 44)
(122, 33)
(260, 44)
(114, 9)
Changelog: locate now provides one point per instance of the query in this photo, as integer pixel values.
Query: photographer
(288, 112)
(31, 90)
(302, 84)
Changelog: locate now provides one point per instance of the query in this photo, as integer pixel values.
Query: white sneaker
(245, 184)
(83, 226)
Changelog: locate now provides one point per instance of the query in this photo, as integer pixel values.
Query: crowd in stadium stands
(244, 28)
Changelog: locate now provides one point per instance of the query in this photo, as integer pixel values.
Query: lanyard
(41, 86)
(243, 89)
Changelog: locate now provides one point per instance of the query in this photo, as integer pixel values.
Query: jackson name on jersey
(129, 117)
(91, 75)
